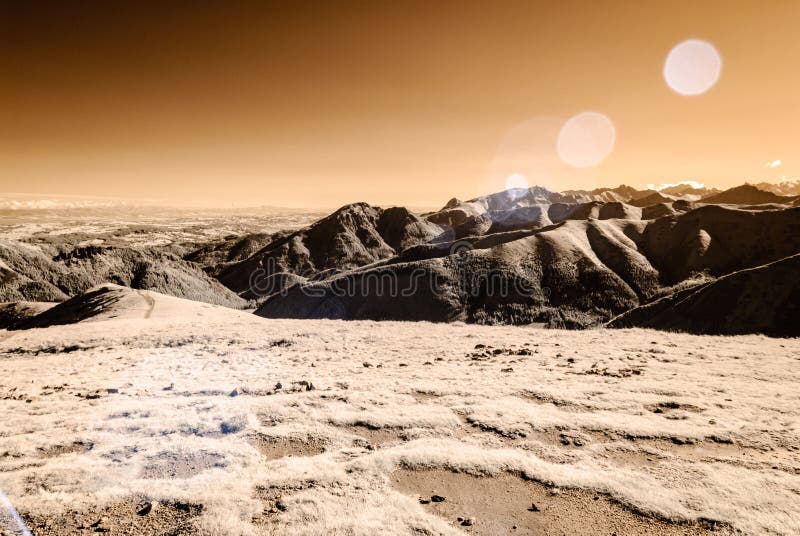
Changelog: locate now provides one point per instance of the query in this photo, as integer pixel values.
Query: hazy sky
(391, 102)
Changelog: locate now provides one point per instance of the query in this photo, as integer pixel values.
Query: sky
(317, 104)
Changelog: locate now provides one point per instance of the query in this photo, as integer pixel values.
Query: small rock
(366, 364)
(424, 501)
(183, 506)
(533, 508)
(112, 391)
(145, 509)
(235, 392)
(437, 498)
(479, 346)
(467, 522)
(278, 386)
(507, 369)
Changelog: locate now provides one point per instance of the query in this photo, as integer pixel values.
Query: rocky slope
(765, 300)
(353, 236)
(32, 273)
(572, 274)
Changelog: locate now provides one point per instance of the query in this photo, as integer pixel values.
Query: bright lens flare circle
(516, 180)
(692, 67)
(586, 139)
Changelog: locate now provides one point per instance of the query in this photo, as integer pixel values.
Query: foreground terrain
(155, 415)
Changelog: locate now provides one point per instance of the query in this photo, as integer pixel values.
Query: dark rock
(145, 509)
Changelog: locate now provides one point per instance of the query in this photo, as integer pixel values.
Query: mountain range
(571, 259)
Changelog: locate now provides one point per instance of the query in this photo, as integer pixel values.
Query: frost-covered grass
(168, 408)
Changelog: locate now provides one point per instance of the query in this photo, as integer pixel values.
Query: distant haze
(310, 104)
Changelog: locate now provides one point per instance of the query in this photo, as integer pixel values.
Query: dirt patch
(508, 504)
(376, 438)
(274, 448)
(141, 518)
(181, 465)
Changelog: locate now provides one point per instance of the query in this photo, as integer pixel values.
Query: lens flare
(586, 139)
(10, 520)
(516, 180)
(692, 67)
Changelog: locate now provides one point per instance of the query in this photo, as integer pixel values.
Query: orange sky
(304, 104)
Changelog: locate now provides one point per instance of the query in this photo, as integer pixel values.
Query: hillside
(572, 274)
(746, 194)
(353, 236)
(765, 300)
(30, 274)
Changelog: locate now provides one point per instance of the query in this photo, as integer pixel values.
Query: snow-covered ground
(243, 425)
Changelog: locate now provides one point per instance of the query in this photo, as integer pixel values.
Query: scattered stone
(367, 364)
(145, 509)
(307, 384)
(467, 522)
(437, 498)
